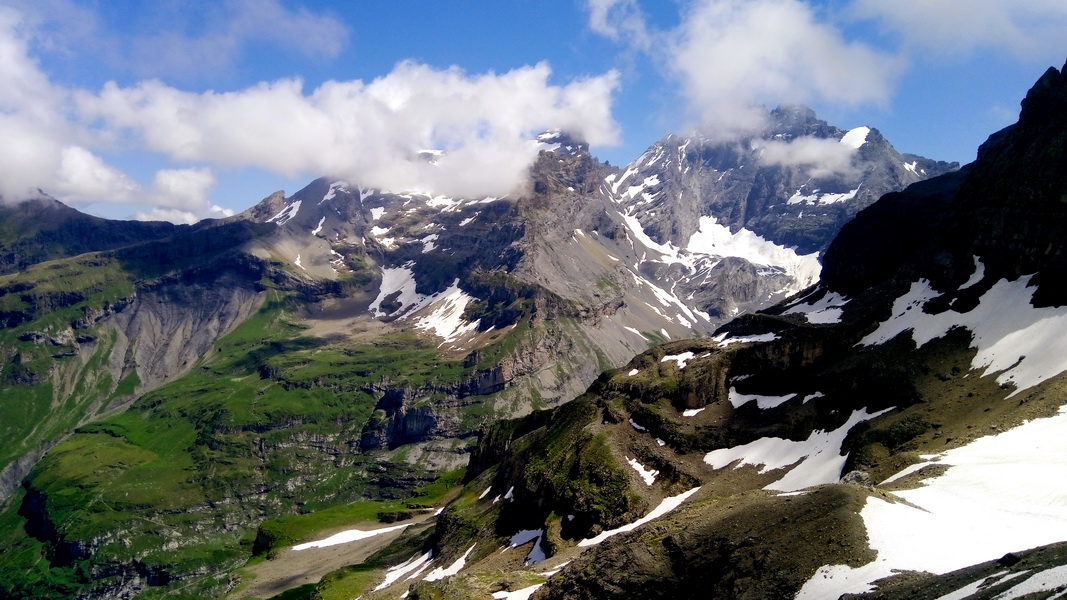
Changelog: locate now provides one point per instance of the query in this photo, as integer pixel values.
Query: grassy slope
(180, 481)
(47, 298)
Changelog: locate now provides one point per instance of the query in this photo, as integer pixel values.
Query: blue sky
(188, 109)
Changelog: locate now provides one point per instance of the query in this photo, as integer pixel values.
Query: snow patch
(1029, 345)
(397, 279)
(817, 460)
(715, 239)
(856, 137)
(334, 188)
(826, 310)
(634, 372)
(648, 475)
(376, 213)
(692, 412)
(725, 340)
(636, 426)
(536, 554)
(764, 402)
(318, 228)
(415, 563)
(440, 573)
(428, 242)
(446, 319)
(817, 199)
(523, 594)
(681, 359)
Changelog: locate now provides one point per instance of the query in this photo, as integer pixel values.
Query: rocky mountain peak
(797, 120)
(1007, 209)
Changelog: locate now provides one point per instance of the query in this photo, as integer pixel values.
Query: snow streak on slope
(1002, 493)
(1028, 344)
(285, 214)
(457, 566)
(350, 535)
(664, 507)
(818, 459)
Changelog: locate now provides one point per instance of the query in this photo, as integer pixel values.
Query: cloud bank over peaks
(368, 132)
(57, 138)
(732, 57)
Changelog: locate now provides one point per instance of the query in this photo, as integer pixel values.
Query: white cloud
(1024, 28)
(369, 132)
(616, 19)
(56, 138)
(33, 130)
(85, 177)
(732, 56)
(821, 156)
(185, 189)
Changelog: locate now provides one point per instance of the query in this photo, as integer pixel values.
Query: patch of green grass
(655, 338)
(277, 533)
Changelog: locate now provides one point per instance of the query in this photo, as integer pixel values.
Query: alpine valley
(721, 371)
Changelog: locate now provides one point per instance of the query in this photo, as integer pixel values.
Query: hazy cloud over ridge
(955, 27)
(54, 137)
(732, 57)
(372, 132)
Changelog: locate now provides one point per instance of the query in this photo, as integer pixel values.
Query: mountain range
(713, 334)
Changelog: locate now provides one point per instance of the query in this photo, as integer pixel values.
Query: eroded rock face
(170, 326)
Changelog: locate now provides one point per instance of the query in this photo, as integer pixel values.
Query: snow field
(1002, 493)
